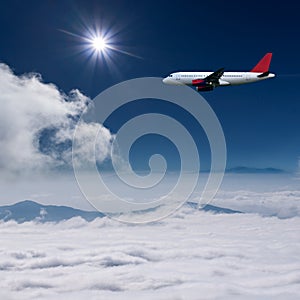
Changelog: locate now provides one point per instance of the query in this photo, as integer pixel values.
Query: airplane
(207, 81)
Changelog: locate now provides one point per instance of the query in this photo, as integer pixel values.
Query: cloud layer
(191, 255)
(37, 123)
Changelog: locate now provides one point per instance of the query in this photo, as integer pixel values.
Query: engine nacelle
(204, 88)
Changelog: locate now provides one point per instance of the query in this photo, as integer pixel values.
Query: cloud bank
(37, 124)
(191, 255)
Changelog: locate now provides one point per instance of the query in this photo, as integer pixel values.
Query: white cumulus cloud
(37, 123)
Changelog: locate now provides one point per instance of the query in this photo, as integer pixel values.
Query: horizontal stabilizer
(265, 74)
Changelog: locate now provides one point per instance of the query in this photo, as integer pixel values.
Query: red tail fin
(263, 64)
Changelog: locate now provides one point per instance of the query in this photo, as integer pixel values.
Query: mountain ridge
(242, 169)
(28, 210)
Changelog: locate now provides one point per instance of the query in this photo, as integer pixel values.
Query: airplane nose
(165, 80)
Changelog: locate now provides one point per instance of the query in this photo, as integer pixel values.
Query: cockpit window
(171, 75)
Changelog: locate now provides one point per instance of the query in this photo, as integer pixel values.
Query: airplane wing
(209, 82)
(215, 76)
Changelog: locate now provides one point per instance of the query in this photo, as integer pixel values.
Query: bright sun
(99, 44)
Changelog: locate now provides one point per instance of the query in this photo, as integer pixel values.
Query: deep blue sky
(260, 121)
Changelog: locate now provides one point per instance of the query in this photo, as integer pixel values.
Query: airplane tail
(263, 64)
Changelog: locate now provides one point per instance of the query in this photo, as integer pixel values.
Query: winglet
(263, 64)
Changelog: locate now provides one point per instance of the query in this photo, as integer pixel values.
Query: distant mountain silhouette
(214, 209)
(31, 211)
(255, 170)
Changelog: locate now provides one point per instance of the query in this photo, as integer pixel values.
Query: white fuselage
(228, 78)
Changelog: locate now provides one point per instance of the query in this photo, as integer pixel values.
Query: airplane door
(247, 77)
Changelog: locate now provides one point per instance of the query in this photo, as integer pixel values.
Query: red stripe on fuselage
(198, 82)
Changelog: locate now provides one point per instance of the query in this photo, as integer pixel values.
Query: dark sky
(260, 121)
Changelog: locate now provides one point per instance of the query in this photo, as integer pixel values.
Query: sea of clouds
(190, 255)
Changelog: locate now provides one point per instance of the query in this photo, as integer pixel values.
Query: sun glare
(99, 44)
